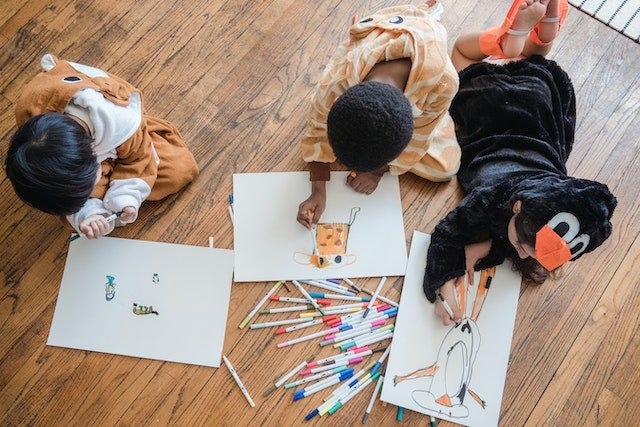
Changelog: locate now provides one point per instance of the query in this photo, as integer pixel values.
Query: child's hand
(448, 293)
(128, 215)
(315, 204)
(95, 226)
(366, 182)
(474, 253)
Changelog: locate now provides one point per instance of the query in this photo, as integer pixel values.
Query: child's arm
(446, 258)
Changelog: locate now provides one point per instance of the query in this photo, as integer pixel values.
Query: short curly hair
(369, 125)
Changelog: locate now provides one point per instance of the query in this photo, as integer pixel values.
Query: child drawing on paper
(453, 369)
(329, 245)
(110, 288)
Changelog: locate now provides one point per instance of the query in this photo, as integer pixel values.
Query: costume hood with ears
(52, 89)
(577, 210)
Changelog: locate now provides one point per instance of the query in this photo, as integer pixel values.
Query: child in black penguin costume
(515, 124)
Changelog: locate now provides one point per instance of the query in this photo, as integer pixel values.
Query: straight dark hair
(51, 164)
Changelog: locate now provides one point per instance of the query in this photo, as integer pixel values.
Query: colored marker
(378, 336)
(380, 361)
(306, 338)
(375, 295)
(360, 376)
(353, 333)
(276, 323)
(446, 306)
(365, 334)
(341, 362)
(307, 296)
(357, 288)
(287, 309)
(376, 390)
(433, 421)
(230, 210)
(321, 301)
(332, 282)
(317, 376)
(236, 378)
(307, 324)
(357, 318)
(110, 218)
(257, 307)
(293, 372)
(400, 413)
(385, 314)
(337, 296)
(381, 298)
(353, 393)
(331, 288)
(334, 380)
(335, 311)
(337, 356)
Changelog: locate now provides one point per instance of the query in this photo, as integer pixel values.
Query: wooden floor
(234, 76)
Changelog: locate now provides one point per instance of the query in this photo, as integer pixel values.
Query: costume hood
(578, 210)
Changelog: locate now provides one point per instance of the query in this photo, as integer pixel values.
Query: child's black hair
(51, 164)
(530, 268)
(369, 125)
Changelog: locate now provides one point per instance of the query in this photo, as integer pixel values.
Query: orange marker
(353, 174)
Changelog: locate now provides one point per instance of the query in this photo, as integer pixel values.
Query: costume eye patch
(72, 79)
(396, 20)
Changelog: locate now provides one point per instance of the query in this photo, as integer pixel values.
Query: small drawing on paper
(110, 288)
(331, 244)
(453, 369)
(155, 279)
(143, 309)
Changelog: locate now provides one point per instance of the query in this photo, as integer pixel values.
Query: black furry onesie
(515, 124)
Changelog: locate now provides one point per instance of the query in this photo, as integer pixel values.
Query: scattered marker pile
(352, 328)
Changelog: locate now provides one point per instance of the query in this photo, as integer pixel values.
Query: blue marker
(332, 381)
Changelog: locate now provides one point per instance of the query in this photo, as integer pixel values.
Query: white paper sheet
(271, 245)
(472, 357)
(191, 297)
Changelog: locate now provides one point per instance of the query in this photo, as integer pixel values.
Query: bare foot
(528, 15)
(548, 29)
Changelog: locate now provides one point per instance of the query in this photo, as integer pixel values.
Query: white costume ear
(47, 62)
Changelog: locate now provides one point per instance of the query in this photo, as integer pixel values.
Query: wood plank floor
(235, 76)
